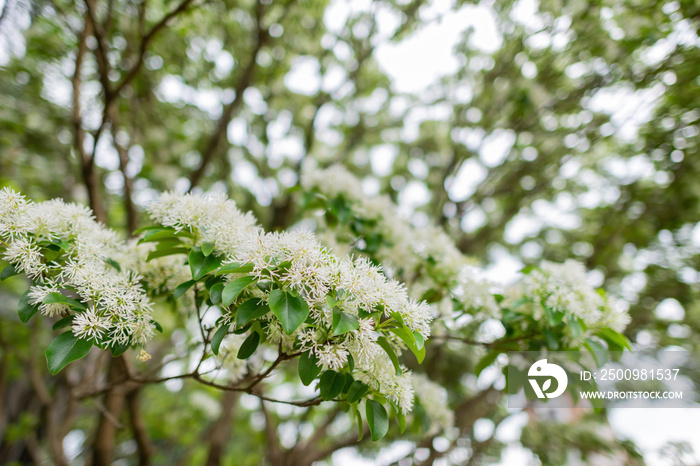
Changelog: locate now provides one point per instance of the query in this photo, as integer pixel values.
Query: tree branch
(143, 441)
(146, 40)
(244, 81)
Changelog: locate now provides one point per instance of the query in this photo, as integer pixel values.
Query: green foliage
(377, 419)
(250, 310)
(308, 368)
(331, 384)
(24, 309)
(65, 349)
(291, 311)
(232, 290)
(249, 346)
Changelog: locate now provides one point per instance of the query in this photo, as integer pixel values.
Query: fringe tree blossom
(328, 285)
(560, 287)
(68, 255)
(406, 247)
(564, 289)
(449, 274)
(212, 218)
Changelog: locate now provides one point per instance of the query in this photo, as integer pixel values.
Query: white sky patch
(339, 11)
(304, 76)
(412, 196)
(428, 54)
(237, 131)
(505, 268)
(629, 109)
(525, 13)
(334, 77)
(174, 90)
(382, 158)
(629, 170)
(288, 147)
(467, 179)
(510, 428)
(522, 226)
(473, 220)
(650, 429)
(255, 100)
(669, 309)
(496, 147)
(483, 429)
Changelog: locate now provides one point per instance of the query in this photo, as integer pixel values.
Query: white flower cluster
(160, 275)
(557, 286)
(117, 308)
(475, 292)
(407, 247)
(433, 398)
(212, 218)
(316, 274)
(564, 288)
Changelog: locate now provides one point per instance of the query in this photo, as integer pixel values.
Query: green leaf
(218, 338)
(200, 265)
(331, 384)
(420, 341)
(308, 370)
(207, 248)
(65, 349)
(331, 301)
(291, 311)
(158, 234)
(344, 322)
(65, 322)
(409, 338)
(553, 317)
(251, 310)
(356, 391)
(486, 361)
(119, 348)
(114, 264)
(377, 419)
(165, 252)
(157, 325)
(148, 228)
(215, 292)
(614, 339)
(233, 289)
(182, 288)
(25, 310)
(58, 298)
(431, 296)
(552, 340)
(358, 416)
(575, 327)
(402, 421)
(249, 346)
(384, 343)
(597, 350)
(348, 382)
(8, 272)
(235, 267)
